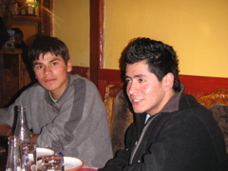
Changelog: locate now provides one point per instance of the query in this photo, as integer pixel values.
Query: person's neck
(56, 94)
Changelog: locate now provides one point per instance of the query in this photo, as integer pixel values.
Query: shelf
(10, 51)
(26, 18)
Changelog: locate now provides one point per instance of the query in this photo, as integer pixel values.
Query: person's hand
(34, 138)
(6, 130)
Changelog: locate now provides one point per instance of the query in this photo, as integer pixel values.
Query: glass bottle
(14, 7)
(14, 155)
(23, 10)
(37, 8)
(30, 9)
(22, 131)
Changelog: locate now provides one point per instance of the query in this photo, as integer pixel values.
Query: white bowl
(40, 152)
(70, 164)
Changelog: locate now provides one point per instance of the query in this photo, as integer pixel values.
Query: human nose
(47, 70)
(131, 88)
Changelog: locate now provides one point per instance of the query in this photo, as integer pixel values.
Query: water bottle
(22, 131)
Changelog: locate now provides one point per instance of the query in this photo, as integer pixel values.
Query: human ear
(168, 81)
(69, 65)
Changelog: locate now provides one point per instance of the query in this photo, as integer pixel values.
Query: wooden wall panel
(195, 85)
(82, 71)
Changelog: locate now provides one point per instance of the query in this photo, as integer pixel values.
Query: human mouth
(49, 80)
(135, 101)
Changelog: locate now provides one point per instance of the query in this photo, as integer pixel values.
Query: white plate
(70, 164)
(40, 152)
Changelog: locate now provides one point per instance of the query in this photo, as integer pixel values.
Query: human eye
(54, 63)
(127, 80)
(38, 67)
(141, 80)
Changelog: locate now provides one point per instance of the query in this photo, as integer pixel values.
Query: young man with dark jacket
(171, 131)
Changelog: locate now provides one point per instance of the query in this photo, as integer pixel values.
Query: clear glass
(53, 163)
(22, 131)
(14, 161)
(28, 152)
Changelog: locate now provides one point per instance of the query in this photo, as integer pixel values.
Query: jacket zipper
(137, 143)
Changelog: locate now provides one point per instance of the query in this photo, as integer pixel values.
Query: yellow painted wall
(197, 29)
(71, 24)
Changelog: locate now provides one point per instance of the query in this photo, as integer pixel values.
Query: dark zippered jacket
(182, 137)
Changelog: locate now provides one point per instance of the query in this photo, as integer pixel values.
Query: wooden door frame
(95, 72)
(96, 39)
(47, 23)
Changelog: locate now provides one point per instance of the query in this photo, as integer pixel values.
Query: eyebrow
(36, 63)
(39, 63)
(135, 76)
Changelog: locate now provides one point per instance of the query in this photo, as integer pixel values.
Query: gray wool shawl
(75, 125)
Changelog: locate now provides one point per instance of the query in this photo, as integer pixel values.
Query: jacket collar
(173, 103)
(171, 106)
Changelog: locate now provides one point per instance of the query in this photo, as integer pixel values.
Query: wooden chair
(218, 96)
(111, 92)
(217, 103)
(120, 116)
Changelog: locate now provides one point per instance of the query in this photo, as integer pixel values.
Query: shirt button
(139, 161)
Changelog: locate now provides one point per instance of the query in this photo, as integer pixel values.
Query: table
(3, 156)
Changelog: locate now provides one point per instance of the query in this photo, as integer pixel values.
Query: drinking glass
(53, 163)
(29, 156)
(14, 156)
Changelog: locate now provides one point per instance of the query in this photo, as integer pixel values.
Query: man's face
(51, 72)
(145, 91)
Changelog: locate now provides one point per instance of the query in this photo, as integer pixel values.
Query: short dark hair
(161, 58)
(43, 44)
(18, 31)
